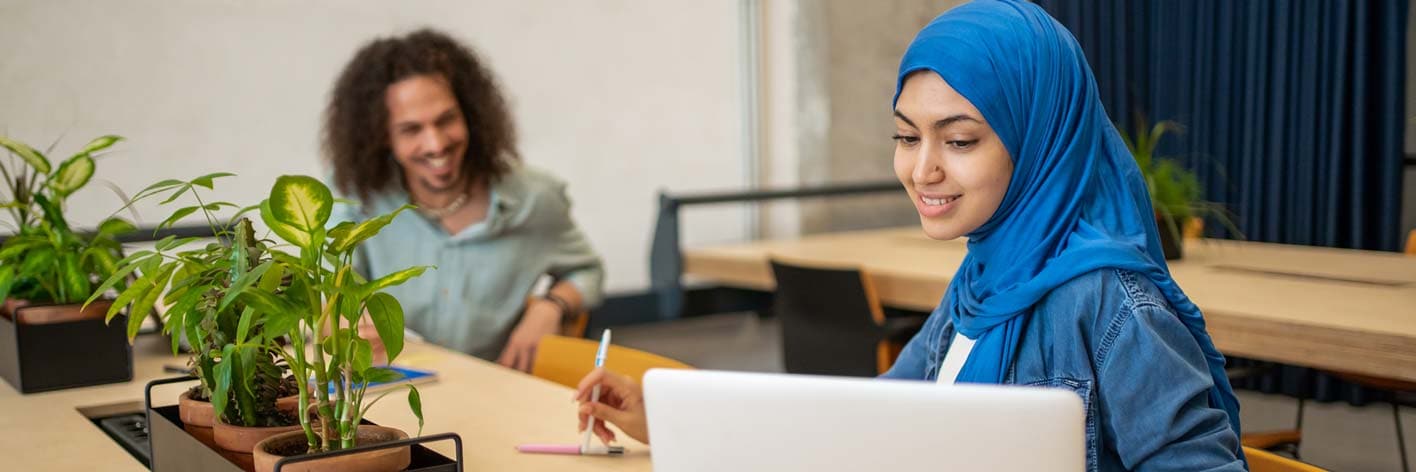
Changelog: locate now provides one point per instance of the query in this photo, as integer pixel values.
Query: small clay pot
(195, 412)
(243, 439)
(293, 443)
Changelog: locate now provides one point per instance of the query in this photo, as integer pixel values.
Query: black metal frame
(665, 252)
(456, 440)
(454, 437)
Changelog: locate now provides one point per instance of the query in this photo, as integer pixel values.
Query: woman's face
(954, 167)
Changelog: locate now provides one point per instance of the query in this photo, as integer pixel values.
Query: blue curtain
(1293, 110)
(1293, 114)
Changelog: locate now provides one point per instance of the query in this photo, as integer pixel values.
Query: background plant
(46, 261)
(1175, 192)
(236, 348)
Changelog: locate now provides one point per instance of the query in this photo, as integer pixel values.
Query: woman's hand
(621, 403)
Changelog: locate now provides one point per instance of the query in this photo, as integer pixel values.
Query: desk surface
(491, 407)
(1321, 307)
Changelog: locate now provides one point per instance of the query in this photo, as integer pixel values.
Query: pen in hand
(595, 392)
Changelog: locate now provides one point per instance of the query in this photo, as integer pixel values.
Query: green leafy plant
(325, 301)
(236, 346)
(1176, 193)
(46, 261)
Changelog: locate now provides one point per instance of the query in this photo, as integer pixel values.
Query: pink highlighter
(570, 449)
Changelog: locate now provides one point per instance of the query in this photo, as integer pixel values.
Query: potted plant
(324, 303)
(1175, 191)
(47, 269)
(244, 393)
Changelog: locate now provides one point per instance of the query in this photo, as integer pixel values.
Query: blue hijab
(1076, 202)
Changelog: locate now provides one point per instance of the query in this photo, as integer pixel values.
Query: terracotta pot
(7, 310)
(47, 314)
(195, 412)
(202, 433)
(382, 460)
(242, 439)
(290, 403)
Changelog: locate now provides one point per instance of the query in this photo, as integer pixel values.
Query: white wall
(619, 97)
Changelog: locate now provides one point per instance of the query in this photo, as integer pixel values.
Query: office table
(491, 407)
(1338, 309)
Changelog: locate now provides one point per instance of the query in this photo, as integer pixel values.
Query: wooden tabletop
(1329, 308)
(491, 407)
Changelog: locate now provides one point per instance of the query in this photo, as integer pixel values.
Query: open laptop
(716, 421)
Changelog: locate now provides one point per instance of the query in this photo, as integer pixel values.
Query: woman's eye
(957, 144)
(906, 140)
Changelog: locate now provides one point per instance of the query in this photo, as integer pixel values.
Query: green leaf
(387, 315)
(143, 305)
(120, 274)
(179, 314)
(37, 261)
(115, 226)
(380, 375)
(182, 189)
(17, 245)
(286, 232)
(277, 325)
(415, 403)
(206, 180)
(393, 279)
(52, 214)
(273, 277)
(240, 285)
(244, 326)
(28, 154)
(363, 357)
(75, 279)
(363, 231)
(170, 243)
(267, 302)
(100, 143)
(301, 203)
(220, 395)
(178, 214)
(7, 280)
(73, 174)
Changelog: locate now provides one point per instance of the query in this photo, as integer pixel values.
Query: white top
(954, 359)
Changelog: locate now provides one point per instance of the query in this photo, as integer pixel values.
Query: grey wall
(853, 50)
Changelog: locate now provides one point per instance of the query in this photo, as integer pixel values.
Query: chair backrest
(831, 320)
(1264, 461)
(566, 360)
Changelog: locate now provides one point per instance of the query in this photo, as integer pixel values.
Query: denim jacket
(1111, 337)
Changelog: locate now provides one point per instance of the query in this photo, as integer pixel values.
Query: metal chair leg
(1400, 438)
(1298, 425)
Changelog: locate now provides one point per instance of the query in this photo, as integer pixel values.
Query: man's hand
(541, 318)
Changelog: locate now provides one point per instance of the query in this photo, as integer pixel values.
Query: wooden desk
(1320, 307)
(493, 408)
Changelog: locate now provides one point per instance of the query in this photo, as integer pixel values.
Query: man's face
(427, 133)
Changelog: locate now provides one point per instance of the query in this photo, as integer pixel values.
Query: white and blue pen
(595, 394)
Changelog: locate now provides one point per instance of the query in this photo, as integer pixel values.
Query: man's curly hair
(356, 137)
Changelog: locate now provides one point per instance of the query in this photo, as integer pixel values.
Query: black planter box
(54, 356)
(173, 449)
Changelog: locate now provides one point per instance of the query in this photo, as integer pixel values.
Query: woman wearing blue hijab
(1000, 137)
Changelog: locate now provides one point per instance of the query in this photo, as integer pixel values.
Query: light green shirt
(484, 273)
